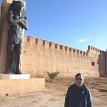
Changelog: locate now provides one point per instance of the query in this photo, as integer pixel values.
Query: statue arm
(24, 23)
(13, 20)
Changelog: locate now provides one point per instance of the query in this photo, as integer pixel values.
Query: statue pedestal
(19, 84)
(14, 76)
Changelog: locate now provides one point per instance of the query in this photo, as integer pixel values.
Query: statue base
(14, 76)
(18, 87)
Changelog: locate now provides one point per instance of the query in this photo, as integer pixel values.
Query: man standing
(78, 95)
(17, 23)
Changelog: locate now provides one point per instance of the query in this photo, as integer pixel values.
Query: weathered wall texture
(102, 63)
(106, 63)
(40, 56)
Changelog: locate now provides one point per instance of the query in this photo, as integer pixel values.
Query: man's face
(79, 81)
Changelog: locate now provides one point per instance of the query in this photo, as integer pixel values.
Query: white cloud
(83, 40)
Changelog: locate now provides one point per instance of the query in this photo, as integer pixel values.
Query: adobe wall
(106, 63)
(102, 63)
(40, 56)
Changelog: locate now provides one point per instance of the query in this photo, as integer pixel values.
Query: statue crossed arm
(17, 23)
(21, 21)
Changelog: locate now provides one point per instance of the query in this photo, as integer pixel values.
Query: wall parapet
(38, 41)
(91, 48)
(45, 56)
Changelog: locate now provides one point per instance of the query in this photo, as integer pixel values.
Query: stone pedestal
(21, 86)
(14, 76)
(18, 84)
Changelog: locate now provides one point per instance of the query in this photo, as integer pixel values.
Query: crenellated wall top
(38, 41)
(93, 49)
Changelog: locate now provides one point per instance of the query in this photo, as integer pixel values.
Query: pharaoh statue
(17, 21)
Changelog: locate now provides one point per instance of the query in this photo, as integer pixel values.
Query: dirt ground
(54, 94)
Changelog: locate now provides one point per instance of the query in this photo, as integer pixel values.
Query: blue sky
(73, 23)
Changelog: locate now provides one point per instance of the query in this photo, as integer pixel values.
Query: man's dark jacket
(78, 97)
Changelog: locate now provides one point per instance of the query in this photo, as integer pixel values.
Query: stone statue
(17, 20)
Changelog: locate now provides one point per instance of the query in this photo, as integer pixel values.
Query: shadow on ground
(102, 90)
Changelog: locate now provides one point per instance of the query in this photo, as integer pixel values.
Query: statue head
(23, 1)
(20, 0)
(18, 7)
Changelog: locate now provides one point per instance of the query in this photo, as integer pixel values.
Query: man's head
(79, 79)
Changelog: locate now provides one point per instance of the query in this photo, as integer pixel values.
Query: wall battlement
(40, 56)
(91, 48)
(38, 41)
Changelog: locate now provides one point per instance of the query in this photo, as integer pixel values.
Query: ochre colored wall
(40, 56)
(106, 63)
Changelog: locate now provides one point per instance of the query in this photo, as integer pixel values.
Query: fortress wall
(40, 56)
(106, 63)
(102, 63)
(94, 52)
(101, 56)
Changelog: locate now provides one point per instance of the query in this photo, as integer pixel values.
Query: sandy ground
(54, 94)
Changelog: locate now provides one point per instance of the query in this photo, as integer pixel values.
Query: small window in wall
(93, 63)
